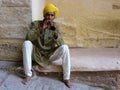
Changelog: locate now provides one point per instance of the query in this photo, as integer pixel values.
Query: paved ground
(10, 81)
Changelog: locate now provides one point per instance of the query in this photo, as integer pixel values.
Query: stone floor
(9, 80)
(12, 82)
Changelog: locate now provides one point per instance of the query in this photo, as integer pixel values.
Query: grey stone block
(13, 31)
(95, 88)
(11, 49)
(17, 3)
(0, 3)
(15, 15)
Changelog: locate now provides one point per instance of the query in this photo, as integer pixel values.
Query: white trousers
(62, 52)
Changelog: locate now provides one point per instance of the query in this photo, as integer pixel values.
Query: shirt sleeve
(59, 40)
(33, 33)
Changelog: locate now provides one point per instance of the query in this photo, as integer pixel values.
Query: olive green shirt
(44, 43)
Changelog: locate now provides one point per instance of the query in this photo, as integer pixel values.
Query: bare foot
(26, 80)
(68, 83)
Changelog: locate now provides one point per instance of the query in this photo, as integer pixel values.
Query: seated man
(44, 44)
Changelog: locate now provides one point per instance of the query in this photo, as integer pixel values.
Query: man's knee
(65, 47)
(27, 43)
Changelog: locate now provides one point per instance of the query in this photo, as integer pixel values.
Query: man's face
(50, 16)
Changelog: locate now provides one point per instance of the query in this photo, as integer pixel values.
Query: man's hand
(45, 24)
(48, 24)
(55, 34)
(52, 28)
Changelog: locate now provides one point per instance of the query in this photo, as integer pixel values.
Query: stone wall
(15, 17)
(84, 23)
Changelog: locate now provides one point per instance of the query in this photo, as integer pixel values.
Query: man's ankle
(67, 83)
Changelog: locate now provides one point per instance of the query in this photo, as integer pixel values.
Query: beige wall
(89, 23)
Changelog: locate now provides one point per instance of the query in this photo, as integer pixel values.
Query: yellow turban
(51, 8)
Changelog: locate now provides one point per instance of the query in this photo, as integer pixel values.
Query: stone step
(88, 59)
